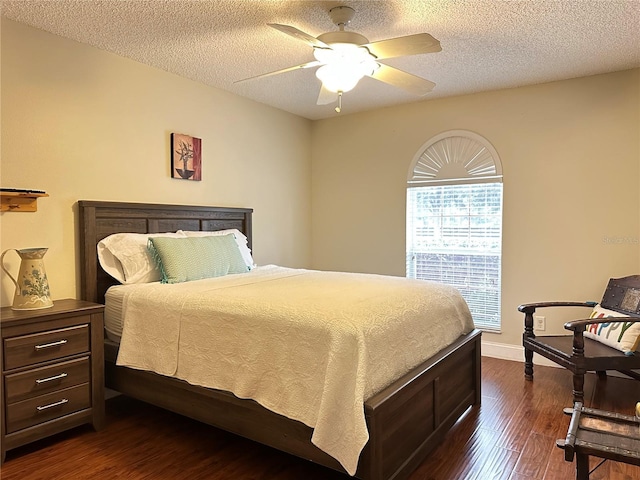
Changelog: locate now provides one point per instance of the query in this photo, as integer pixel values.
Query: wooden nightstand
(52, 367)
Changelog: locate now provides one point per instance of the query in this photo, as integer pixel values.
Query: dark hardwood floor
(511, 436)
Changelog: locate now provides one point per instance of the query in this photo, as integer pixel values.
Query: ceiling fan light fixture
(343, 53)
(344, 65)
(338, 79)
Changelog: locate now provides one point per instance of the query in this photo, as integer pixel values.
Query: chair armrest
(531, 307)
(580, 325)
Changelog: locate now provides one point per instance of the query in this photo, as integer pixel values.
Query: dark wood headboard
(101, 219)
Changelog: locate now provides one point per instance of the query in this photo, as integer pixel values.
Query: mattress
(309, 345)
(113, 318)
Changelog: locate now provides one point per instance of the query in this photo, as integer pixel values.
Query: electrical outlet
(539, 323)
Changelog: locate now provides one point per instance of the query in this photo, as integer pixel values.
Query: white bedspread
(309, 345)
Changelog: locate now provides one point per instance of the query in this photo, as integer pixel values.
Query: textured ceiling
(486, 44)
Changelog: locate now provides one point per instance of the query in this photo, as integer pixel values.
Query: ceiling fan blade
(326, 96)
(315, 63)
(299, 34)
(409, 45)
(406, 81)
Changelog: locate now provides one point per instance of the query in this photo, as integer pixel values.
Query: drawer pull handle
(51, 379)
(51, 405)
(50, 345)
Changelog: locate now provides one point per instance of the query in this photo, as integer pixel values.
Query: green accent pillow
(194, 258)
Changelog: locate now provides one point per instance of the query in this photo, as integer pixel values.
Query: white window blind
(454, 236)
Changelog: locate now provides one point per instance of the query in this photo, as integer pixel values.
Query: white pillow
(125, 257)
(623, 336)
(240, 238)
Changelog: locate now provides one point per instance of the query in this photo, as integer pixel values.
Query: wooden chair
(577, 353)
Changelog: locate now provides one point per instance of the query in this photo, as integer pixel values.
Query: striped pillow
(195, 258)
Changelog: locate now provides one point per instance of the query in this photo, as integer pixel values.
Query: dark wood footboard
(410, 417)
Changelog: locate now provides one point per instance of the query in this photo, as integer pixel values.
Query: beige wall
(570, 153)
(82, 123)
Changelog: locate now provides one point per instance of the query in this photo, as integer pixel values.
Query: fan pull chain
(338, 108)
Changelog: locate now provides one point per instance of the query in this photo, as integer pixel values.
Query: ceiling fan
(345, 57)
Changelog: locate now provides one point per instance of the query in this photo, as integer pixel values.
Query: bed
(405, 420)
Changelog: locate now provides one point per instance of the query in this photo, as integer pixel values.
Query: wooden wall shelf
(20, 201)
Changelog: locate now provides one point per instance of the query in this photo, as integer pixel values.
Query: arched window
(454, 220)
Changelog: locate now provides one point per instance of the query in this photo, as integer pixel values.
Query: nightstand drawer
(39, 347)
(47, 407)
(38, 381)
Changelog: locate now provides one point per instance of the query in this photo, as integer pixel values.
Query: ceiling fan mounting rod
(341, 16)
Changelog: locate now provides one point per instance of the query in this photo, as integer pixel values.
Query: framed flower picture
(186, 157)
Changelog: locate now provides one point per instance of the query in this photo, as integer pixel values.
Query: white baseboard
(512, 352)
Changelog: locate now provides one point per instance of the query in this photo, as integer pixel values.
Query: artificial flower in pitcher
(32, 286)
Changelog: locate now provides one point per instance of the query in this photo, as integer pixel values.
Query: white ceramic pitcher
(32, 286)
